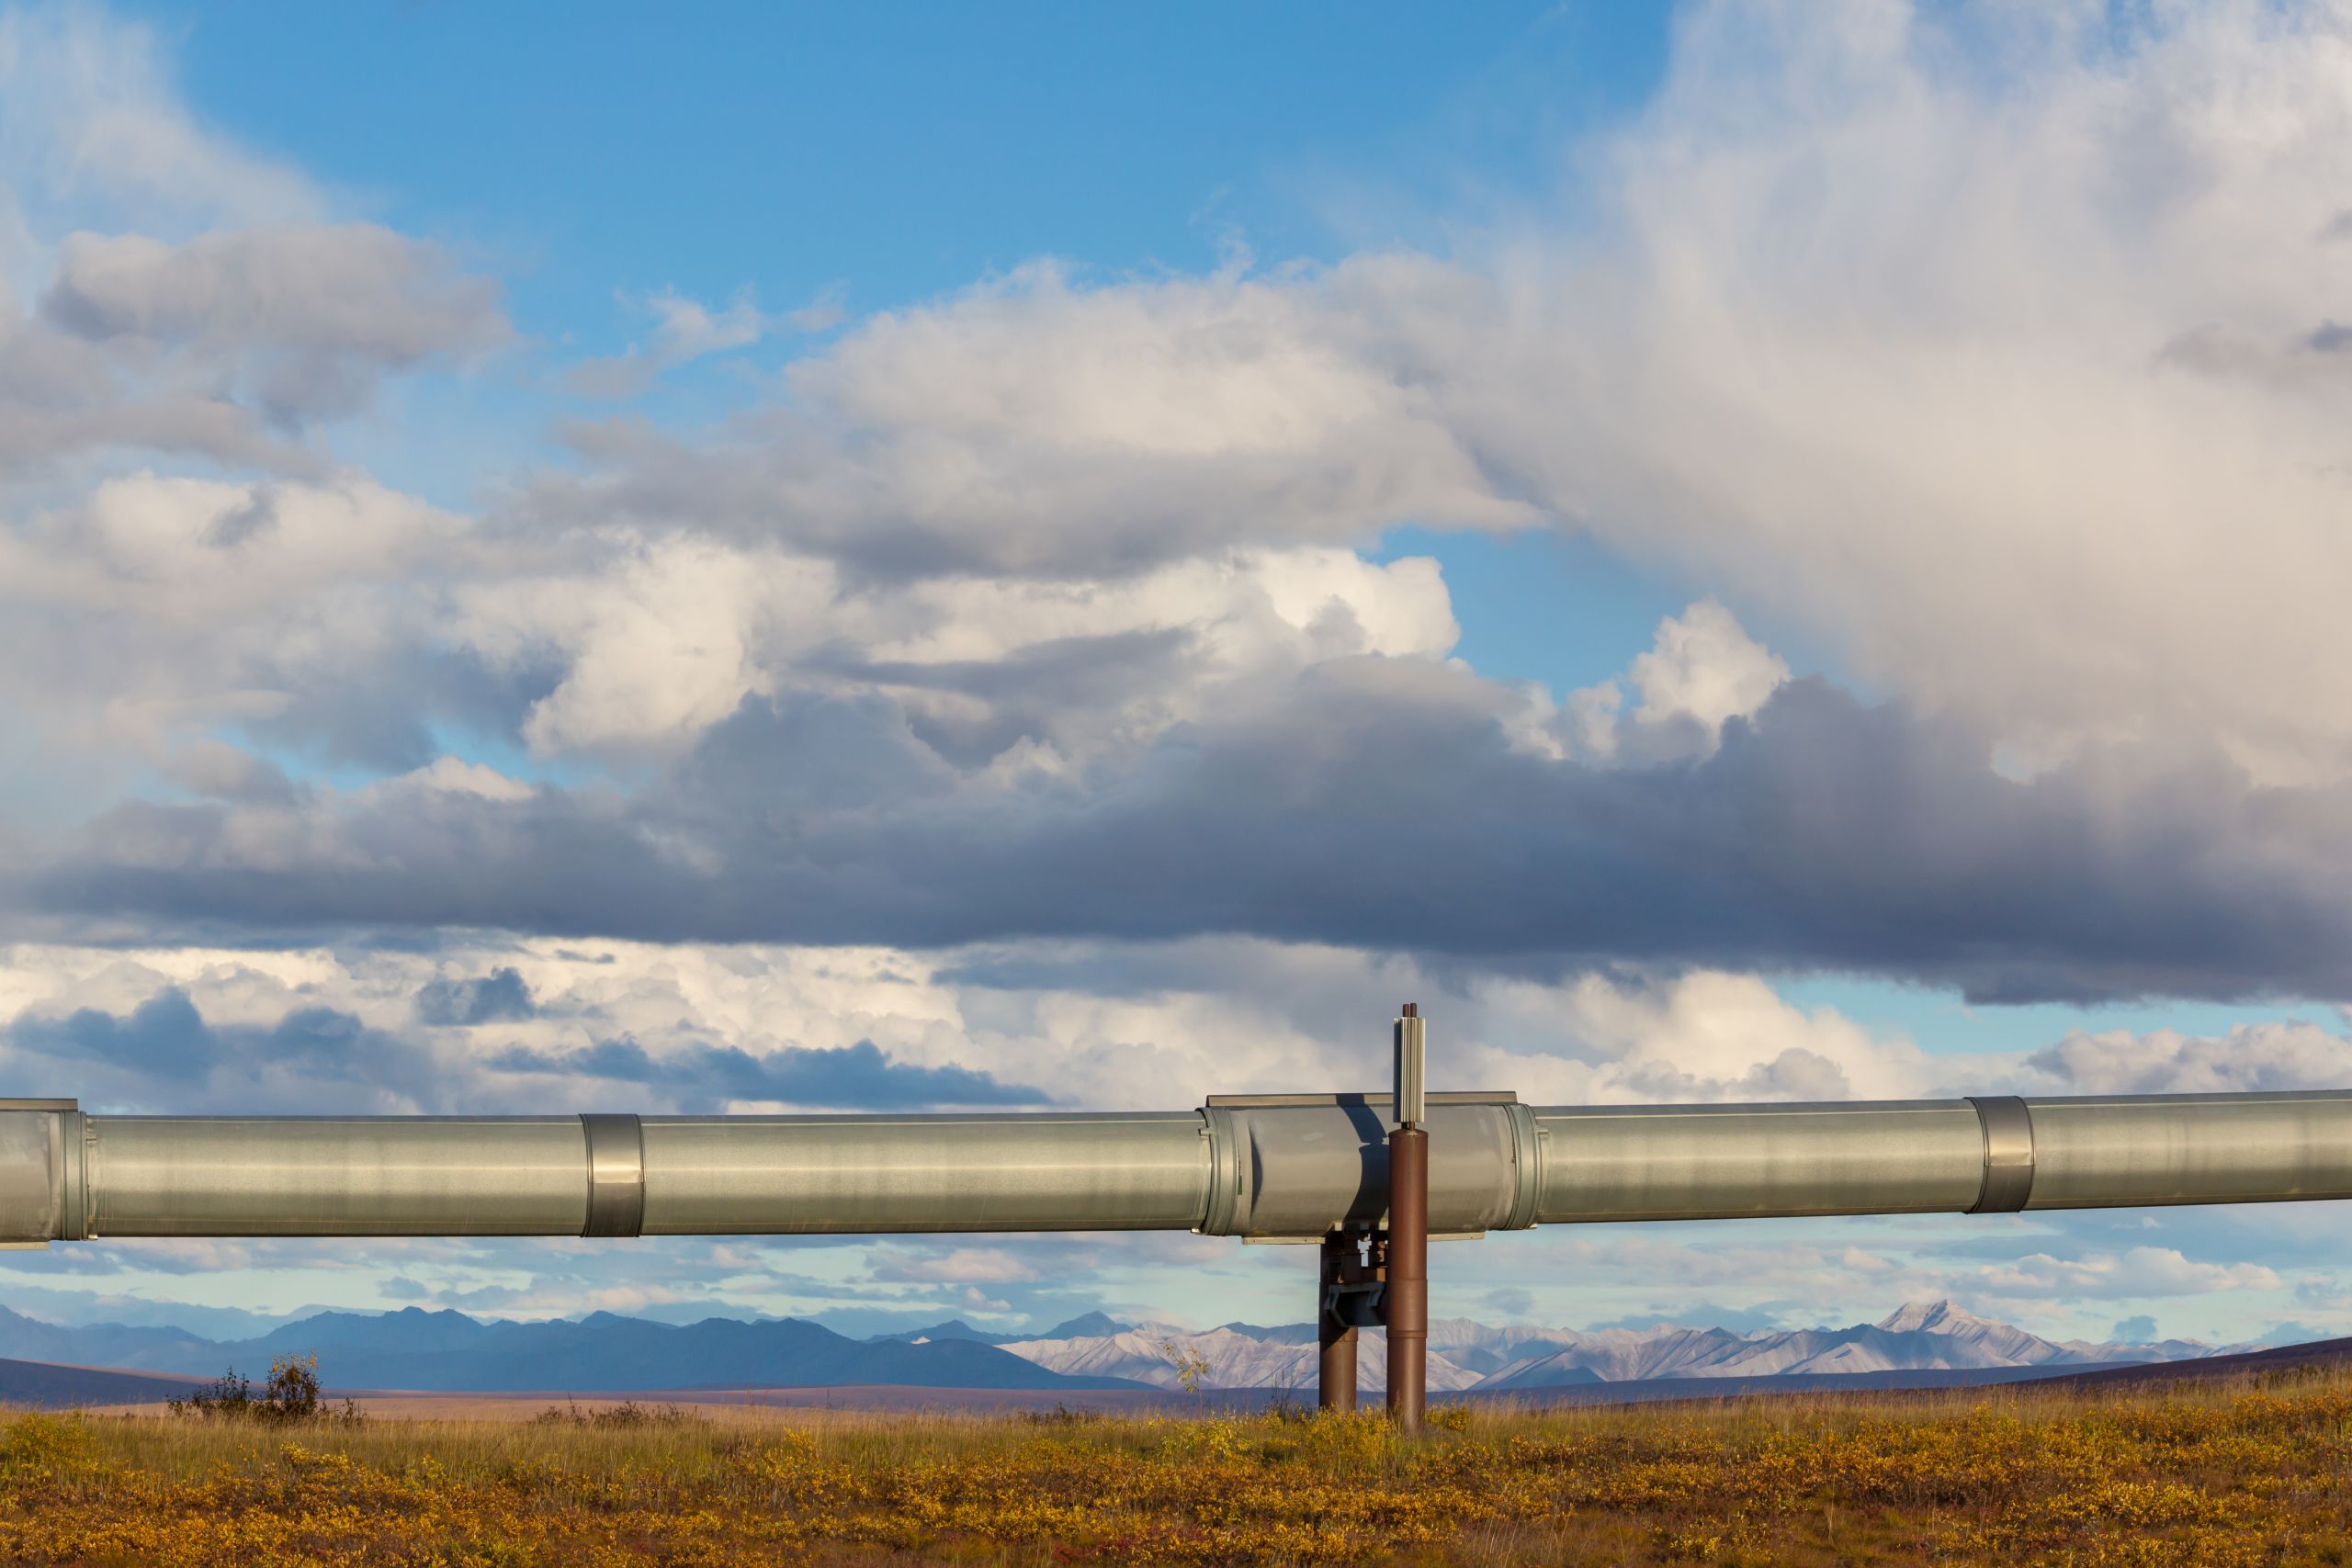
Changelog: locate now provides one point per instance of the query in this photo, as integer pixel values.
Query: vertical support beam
(1407, 1298)
(1335, 1334)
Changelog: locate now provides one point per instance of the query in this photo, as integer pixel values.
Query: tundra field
(2256, 1468)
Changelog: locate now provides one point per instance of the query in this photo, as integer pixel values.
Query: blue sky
(806, 154)
(796, 149)
(1742, 550)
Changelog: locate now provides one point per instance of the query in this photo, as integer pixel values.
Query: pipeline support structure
(1350, 1173)
(1406, 1302)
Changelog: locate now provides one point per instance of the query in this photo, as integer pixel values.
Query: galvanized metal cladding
(1266, 1167)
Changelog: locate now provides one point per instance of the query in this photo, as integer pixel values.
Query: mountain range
(414, 1348)
(1464, 1355)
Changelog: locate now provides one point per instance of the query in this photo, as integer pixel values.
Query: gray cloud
(498, 997)
(351, 288)
(311, 314)
(316, 1057)
(166, 1045)
(224, 345)
(164, 1036)
(848, 1077)
(1371, 803)
(1030, 692)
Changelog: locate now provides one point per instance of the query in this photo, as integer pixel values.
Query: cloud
(227, 345)
(958, 1266)
(318, 1057)
(165, 1038)
(164, 1053)
(2252, 1057)
(498, 997)
(1033, 426)
(1846, 326)
(1873, 332)
(1146, 1027)
(1704, 671)
(684, 329)
(193, 297)
(2140, 1273)
(1338, 808)
(350, 288)
(155, 617)
(311, 315)
(90, 115)
(856, 1077)
(1048, 587)
(654, 641)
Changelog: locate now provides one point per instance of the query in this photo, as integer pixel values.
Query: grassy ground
(2257, 1470)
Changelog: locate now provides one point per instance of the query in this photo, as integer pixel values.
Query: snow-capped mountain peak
(1933, 1317)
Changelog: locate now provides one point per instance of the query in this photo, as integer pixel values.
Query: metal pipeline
(1691, 1162)
(1264, 1167)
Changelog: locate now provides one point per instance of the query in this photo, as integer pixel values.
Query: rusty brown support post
(1335, 1371)
(1407, 1297)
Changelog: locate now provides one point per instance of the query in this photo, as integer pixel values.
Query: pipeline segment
(1263, 1168)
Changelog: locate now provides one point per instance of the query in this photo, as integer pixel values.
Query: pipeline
(1263, 1168)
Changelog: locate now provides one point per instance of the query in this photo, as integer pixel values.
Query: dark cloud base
(1372, 803)
(322, 1056)
(846, 1077)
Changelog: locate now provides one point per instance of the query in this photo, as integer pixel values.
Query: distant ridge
(1919, 1344)
(448, 1351)
(953, 1328)
(2275, 1357)
(45, 1385)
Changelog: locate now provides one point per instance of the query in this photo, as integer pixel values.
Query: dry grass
(2256, 1471)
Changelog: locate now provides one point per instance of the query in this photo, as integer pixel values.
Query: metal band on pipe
(2008, 1154)
(1225, 1172)
(73, 1136)
(616, 1175)
(1527, 1141)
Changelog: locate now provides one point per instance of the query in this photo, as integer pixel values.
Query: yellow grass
(2256, 1471)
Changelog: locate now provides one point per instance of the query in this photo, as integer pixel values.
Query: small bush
(628, 1413)
(291, 1394)
(1289, 1407)
(1062, 1416)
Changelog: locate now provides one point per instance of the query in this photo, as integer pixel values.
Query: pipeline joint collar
(2008, 1154)
(616, 1175)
